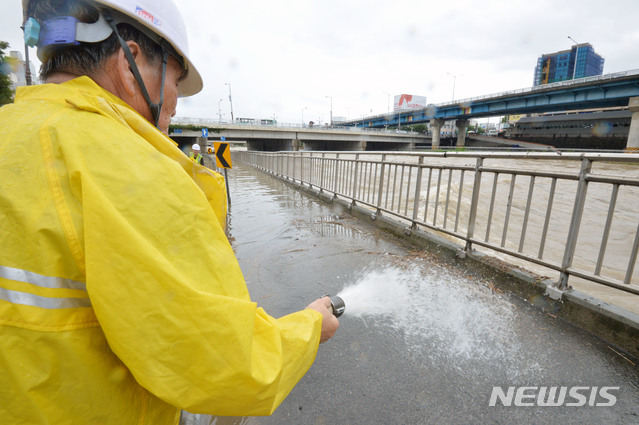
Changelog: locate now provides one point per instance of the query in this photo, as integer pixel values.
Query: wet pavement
(425, 340)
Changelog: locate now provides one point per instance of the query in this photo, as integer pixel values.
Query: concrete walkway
(435, 347)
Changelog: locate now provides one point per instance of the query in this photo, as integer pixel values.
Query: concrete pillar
(362, 145)
(461, 125)
(632, 145)
(436, 127)
(202, 142)
(297, 144)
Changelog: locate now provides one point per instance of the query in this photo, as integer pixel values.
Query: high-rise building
(578, 62)
(17, 70)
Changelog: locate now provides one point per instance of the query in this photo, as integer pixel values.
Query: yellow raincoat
(121, 300)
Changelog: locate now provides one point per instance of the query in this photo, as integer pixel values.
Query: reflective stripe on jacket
(121, 301)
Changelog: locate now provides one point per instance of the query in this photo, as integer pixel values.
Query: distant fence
(576, 214)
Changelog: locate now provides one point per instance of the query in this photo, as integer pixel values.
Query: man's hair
(86, 58)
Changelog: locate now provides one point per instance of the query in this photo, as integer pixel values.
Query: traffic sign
(205, 132)
(222, 155)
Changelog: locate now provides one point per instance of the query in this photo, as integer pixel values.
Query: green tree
(6, 91)
(477, 129)
(418, 128)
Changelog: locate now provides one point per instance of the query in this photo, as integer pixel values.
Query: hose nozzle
(338, 306)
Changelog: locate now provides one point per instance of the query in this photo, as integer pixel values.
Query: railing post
(322, 164)
(301, 169)
(311, 165)
(335, 176)
(418, 191)
(575, 222)
(355, 191)
(473, 204)
(381, 186)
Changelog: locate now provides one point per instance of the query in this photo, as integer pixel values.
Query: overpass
(602, 91)
(372, 133)
(273, 138)
(276, 138)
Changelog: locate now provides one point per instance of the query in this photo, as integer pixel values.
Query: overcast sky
(285, 58)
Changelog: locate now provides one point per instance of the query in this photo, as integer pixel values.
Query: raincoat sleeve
(165, 284)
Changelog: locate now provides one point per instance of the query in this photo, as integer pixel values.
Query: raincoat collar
(85, 94)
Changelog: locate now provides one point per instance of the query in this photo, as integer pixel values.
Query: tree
(418, 128)
(476, 128)
(6, 91)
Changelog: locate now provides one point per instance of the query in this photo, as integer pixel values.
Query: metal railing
(208, 122)
(574, 213)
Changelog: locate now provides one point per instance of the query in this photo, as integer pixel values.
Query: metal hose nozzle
(338, 306)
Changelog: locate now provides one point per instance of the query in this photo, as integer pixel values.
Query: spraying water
(432, 308)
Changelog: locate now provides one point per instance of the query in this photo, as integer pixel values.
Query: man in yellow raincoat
(121, 301)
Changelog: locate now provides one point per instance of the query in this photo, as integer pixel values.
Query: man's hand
(329, 322)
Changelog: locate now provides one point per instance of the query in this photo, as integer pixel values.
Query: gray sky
(282, 56)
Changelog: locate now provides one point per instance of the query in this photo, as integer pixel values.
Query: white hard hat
(195, 147)
(162, 18)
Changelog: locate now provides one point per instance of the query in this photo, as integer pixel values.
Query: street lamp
(573, 40)
(454, 79)
(231, 102)
(388, 102)
(331, 97)
(219, 111)
(574, 69)
(306, 107)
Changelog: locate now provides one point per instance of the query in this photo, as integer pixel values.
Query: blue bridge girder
(610, 90)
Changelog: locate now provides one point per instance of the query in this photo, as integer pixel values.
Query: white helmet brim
(163, 18)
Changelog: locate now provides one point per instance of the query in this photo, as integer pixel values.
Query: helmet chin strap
(155, 108)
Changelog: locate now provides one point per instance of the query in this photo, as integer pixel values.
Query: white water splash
(437, 313)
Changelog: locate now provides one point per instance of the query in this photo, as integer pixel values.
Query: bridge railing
(572, 214)
(207, 122)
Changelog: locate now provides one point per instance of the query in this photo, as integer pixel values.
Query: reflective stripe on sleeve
(39, 280)
(25, 298)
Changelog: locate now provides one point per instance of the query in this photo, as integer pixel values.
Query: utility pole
(231, 102)
(331, 97)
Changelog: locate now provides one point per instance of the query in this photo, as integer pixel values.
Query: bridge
(278, 138)
(373, 133)
(271, 138)
(602, 91)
